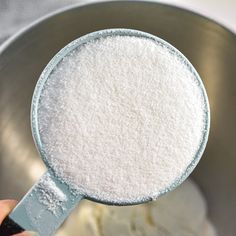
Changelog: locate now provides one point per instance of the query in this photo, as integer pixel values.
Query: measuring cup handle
(43, 209)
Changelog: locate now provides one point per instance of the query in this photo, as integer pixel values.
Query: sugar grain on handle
(121, 117)
(50, 195)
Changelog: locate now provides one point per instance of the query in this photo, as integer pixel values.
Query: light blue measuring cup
(35, 212)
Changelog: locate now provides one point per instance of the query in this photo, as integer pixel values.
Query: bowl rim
(85, 3)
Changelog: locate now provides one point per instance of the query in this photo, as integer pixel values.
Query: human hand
(6, 206)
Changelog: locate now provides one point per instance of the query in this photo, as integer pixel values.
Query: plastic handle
(9, 227)
(44, 207)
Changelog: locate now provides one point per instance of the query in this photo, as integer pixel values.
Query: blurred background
(16, 14)
(203, 206)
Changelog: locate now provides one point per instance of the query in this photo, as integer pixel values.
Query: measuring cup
(35, 212)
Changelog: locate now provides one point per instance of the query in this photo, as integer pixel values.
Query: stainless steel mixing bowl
(210, 47)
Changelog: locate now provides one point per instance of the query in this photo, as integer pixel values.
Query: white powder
(121, 118)
(50, 195)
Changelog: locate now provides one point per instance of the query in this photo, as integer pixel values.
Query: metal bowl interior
(210, 47)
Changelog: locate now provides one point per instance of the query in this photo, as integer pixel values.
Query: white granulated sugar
(121, 118)
(50, 195)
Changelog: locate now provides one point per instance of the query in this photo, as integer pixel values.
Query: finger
(6, 207)
(27, 233)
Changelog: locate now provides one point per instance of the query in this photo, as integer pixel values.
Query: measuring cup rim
(102, 34)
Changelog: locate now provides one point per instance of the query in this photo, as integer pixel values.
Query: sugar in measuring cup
(120, 117)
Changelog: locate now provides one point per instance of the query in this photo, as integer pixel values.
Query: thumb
(6, 207)
(27, 233)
